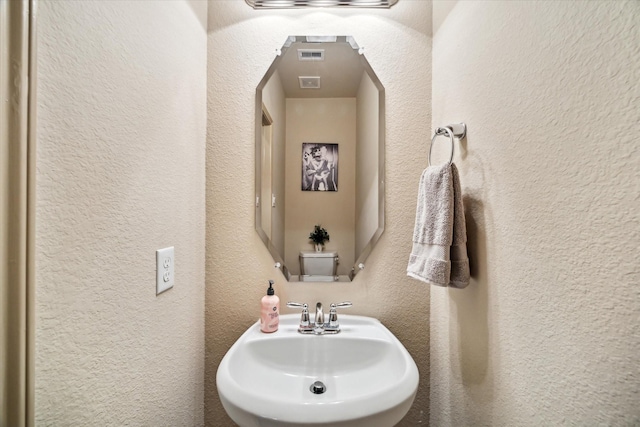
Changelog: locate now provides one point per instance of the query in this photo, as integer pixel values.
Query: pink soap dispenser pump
(270, 312)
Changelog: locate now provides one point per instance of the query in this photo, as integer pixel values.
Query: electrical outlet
(165, 269)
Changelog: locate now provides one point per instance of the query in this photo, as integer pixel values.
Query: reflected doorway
(267, 197)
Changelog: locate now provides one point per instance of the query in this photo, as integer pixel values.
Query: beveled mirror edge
(279, 262)
(381, 169)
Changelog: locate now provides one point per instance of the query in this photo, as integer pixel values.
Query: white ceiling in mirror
(340, 70)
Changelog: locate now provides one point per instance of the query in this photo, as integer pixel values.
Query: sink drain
(318, 387)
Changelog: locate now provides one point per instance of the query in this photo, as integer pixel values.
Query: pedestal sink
(361, 377)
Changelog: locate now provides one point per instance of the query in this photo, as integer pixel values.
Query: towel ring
(458, 130)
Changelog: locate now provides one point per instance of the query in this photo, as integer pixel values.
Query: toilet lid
(314, 254)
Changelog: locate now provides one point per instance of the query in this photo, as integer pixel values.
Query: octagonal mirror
(320, 127)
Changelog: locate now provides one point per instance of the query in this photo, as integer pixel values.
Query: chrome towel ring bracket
(457, 130)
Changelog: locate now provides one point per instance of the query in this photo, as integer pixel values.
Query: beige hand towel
(439, 253)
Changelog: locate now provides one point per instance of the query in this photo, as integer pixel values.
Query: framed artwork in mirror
(319, 166)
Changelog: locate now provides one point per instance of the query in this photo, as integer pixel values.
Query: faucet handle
(345, 304)
(296, 304)
(333, 313)
(304, 318)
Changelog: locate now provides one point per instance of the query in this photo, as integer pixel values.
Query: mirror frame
(366, 251)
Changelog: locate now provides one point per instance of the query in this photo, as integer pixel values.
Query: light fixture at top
(289, 4)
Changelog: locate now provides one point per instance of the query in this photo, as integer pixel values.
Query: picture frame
(319, 166)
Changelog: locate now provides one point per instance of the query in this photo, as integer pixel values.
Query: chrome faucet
(319, 326)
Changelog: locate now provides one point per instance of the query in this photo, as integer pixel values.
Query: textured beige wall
(242, 44)
(331, 120)
(548, 331)
(121, 173)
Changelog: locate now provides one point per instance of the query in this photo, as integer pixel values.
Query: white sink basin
(265, 379)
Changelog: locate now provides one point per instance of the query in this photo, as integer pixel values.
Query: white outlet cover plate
(165, 269)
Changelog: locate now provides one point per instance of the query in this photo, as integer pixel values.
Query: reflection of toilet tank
(314, 263)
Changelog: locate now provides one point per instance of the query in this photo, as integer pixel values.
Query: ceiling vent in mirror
(288, 4)
(310, 54)
(309, 82)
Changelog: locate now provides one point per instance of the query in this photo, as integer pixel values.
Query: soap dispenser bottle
(270, 313)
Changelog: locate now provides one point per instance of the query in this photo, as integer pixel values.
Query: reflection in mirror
(320, 158)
